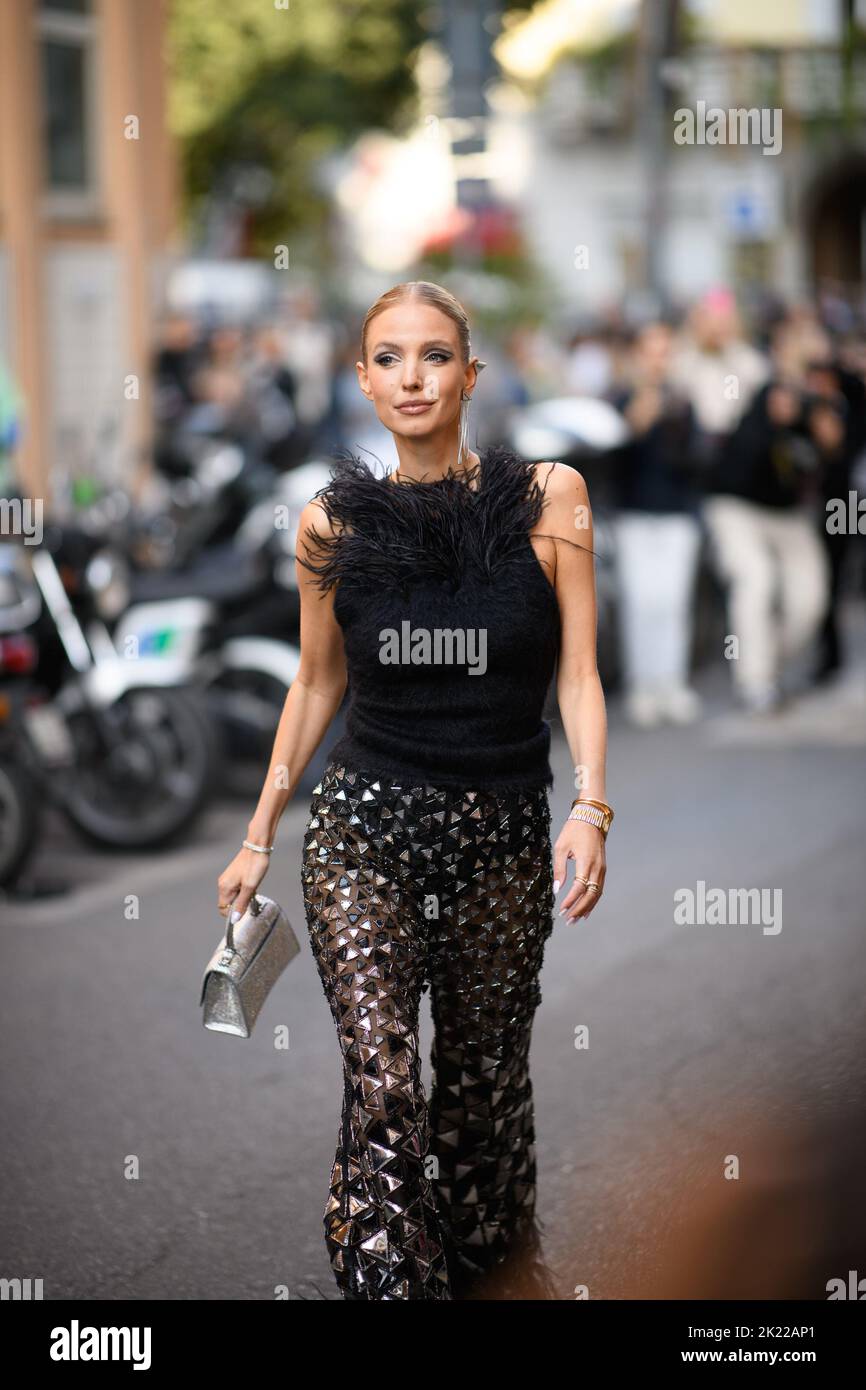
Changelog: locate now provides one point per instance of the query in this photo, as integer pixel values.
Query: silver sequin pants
(409, 888)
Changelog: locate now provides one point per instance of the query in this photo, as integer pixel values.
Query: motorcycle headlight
(108, 581)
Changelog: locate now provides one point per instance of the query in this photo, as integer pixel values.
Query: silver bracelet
(259, 849)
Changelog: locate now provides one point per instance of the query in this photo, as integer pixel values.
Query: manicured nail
(555, 886)
(236, 917)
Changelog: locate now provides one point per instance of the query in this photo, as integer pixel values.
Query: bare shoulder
(315, 521)
(567, 502)
(561, 483)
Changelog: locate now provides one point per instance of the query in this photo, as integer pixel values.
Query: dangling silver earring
(462, 438)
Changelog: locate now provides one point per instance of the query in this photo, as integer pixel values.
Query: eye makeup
(387, 351)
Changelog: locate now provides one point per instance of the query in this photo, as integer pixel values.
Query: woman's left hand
(585, 845)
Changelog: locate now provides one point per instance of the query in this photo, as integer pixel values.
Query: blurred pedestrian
(766, 542)
(717, 370)
(271, 390)
(178, 357)
(658, 535)
(539, 361)
(837, 414)
(309, 345)
(589, 369)
(219, 384)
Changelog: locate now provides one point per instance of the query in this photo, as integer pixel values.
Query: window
(67, 42)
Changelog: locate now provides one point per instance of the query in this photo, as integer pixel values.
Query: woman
(658, 537)
(435, 595)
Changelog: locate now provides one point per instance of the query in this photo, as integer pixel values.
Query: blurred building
(576, 157)
(87, 211)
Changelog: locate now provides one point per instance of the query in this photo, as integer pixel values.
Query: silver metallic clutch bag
(247, 963)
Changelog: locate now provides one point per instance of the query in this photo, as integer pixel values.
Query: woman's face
(414, 374)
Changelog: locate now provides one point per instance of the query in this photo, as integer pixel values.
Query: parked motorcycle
(117, 740)
(229, 619)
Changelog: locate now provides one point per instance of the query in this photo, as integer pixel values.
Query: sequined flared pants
(409, 888)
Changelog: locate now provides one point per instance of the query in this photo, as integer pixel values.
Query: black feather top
(414, 562)
(395, 533)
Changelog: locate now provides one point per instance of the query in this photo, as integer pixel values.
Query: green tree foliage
(278, 89)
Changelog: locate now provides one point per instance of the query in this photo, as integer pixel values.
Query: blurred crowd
(744, 452)
(267, 383)
(736, 443)
(741, 444)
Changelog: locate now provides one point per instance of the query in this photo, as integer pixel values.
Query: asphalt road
(700, 1145)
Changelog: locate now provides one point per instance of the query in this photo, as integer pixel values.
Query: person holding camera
(763, 534)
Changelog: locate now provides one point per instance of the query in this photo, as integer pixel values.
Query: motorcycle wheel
(245, 705)
(20, 818)
(159, 777)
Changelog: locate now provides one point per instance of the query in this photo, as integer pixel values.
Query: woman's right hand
(239, 880)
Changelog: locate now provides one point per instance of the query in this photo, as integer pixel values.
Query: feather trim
(390, 533)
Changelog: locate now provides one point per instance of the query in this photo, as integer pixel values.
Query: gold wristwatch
(596, 813)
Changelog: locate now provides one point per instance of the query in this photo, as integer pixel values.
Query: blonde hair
(429, 293)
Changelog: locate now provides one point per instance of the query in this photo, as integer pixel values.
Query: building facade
(773, 196)
(88, 202)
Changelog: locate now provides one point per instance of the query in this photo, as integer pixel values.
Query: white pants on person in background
(656, 562)
(777, 577)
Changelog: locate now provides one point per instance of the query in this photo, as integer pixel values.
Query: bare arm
(568, 516)
(313, 700)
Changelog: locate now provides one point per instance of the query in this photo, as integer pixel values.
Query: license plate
(49, 734)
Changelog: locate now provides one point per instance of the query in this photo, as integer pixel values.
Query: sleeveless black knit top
(451, 627)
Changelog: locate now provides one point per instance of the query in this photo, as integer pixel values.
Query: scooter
(119, 741)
